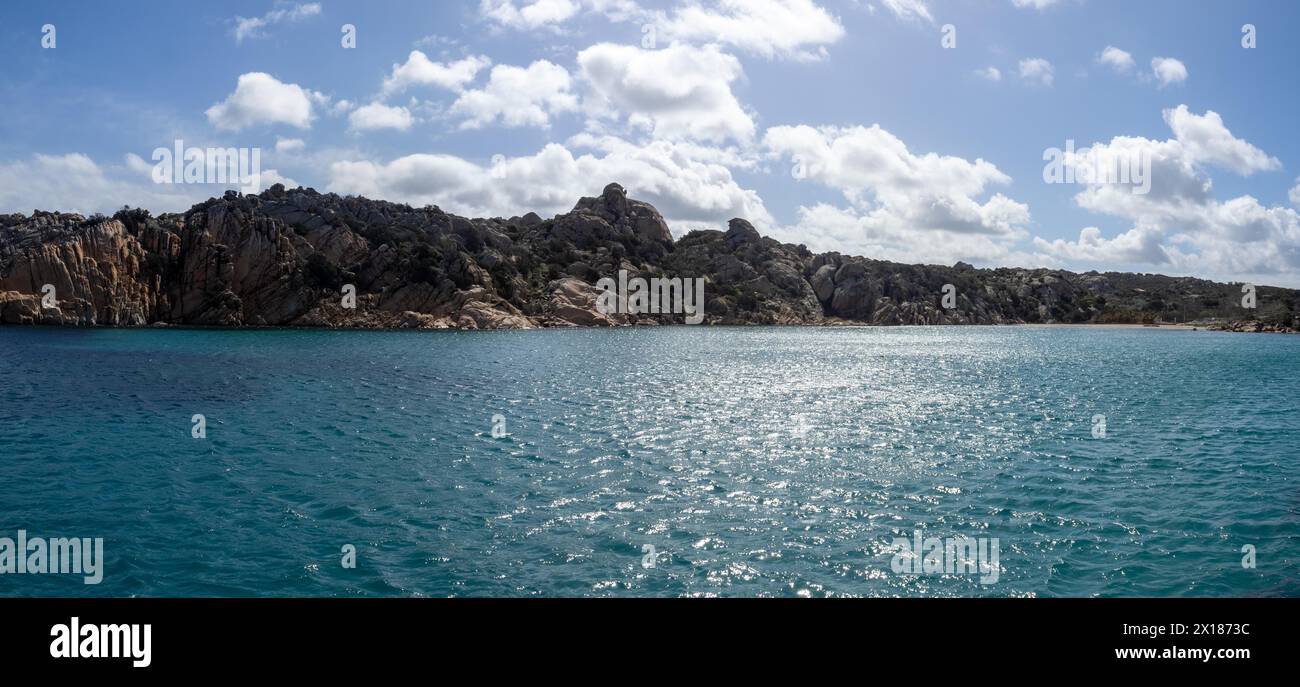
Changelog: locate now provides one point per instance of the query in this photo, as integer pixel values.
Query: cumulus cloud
(989, 73)
(549, 14)
(271, 177)
(825, 227)
(260, 98)
(773, 29)
(529, 15)
(75, 183)
(875, 170)
(1180, 186)
(1167, 70)
(1208, 141)
(1035, 4)
(1119, 60)
(1037, 70)
(796, 29)
(379, 116)
(1141, 245)
(690, 192)
(518, 96)
(902, 205)
(255, 27)
(681, 91)
(688, 182)
(1179, 223)
(419, 70)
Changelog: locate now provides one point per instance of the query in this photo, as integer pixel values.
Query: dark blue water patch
(756, 461)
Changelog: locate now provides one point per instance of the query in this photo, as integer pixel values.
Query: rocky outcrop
(573, 304)
(1254, 326)
(93, 272)
(299, 258)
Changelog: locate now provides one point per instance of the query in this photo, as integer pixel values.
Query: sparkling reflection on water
(756, 461)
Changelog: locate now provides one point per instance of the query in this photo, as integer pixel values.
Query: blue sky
(843, 125)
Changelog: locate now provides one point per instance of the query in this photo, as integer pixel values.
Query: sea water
(655, 461)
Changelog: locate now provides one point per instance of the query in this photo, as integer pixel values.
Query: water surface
(757, 461)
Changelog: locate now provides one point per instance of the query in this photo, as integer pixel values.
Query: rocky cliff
(295, 257)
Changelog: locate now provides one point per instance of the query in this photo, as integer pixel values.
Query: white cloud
(253, 27)
(785, 29)
(76, 183)
(1236, 240)
(1168, 70)
(1138, 246)
(1294, 194)
(419, 70)
(271, 177)
(527, 15)
(989, 73)
(260, 98)
(690, 192)
(1037, 70)
(289, 145)
(1119, 60)
(1036, 4)
(909, 9)
(380, 116)
(134, 162)
(903, 206)
(691, 184)
(1180, 187)
(797, 29)
(678, 92)
(824, 227)
(518, 97)
(1208, 141)
(1179, 223)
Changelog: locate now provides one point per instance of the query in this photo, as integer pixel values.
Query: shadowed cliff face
(293, 258)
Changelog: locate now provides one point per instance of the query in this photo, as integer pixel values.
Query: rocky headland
(289, 258)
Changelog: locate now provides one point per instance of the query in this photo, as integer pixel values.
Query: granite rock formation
(292, 258)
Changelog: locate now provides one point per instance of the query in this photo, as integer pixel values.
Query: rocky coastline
(299, 258)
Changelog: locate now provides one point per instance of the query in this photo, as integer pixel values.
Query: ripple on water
(756, 461)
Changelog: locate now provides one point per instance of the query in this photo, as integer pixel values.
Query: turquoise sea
(755, 461)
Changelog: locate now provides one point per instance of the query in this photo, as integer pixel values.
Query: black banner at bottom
(950, 637)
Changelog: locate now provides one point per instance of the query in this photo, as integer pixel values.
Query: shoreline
(423, 269)
(1196, 327)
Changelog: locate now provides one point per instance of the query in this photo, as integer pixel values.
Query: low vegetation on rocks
(287, 257)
